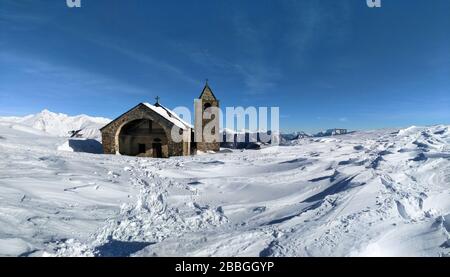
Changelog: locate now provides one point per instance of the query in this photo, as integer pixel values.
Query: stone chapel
(146, 130)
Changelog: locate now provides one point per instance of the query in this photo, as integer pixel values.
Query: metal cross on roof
(157, 99)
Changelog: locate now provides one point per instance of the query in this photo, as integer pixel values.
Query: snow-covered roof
(169, 115)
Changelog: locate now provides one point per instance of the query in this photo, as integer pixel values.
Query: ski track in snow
(377, 193)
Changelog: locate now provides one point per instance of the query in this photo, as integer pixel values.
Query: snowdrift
(375, 193)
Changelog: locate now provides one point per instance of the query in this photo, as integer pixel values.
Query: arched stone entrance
(146, 131)
(143, 137)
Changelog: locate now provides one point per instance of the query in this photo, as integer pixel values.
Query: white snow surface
(170, 116)
(58, 124)
(375, 193)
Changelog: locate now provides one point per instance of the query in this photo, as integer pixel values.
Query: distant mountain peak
(60, 124)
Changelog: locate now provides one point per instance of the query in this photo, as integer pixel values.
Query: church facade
(146, 130)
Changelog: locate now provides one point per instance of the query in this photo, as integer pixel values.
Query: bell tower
(207, 121)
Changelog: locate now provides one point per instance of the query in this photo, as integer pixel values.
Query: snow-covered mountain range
(59, 124)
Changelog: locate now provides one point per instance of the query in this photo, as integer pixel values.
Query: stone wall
(208, 146)
(111, 132)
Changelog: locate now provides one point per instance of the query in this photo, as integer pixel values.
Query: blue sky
(325, 63)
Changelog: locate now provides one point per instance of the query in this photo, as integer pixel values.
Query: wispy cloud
(251, 64)
(312, 23)
(62, 78)
(17, 16)
(305, 25)
(258, 78)
(259, 75)
(146, 59)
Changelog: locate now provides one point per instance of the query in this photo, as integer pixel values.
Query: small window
(142, 148)
(206, 106)
(207, 112)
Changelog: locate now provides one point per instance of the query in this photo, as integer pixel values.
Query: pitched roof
(205, 89)
(162, 111)
(169, 115)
